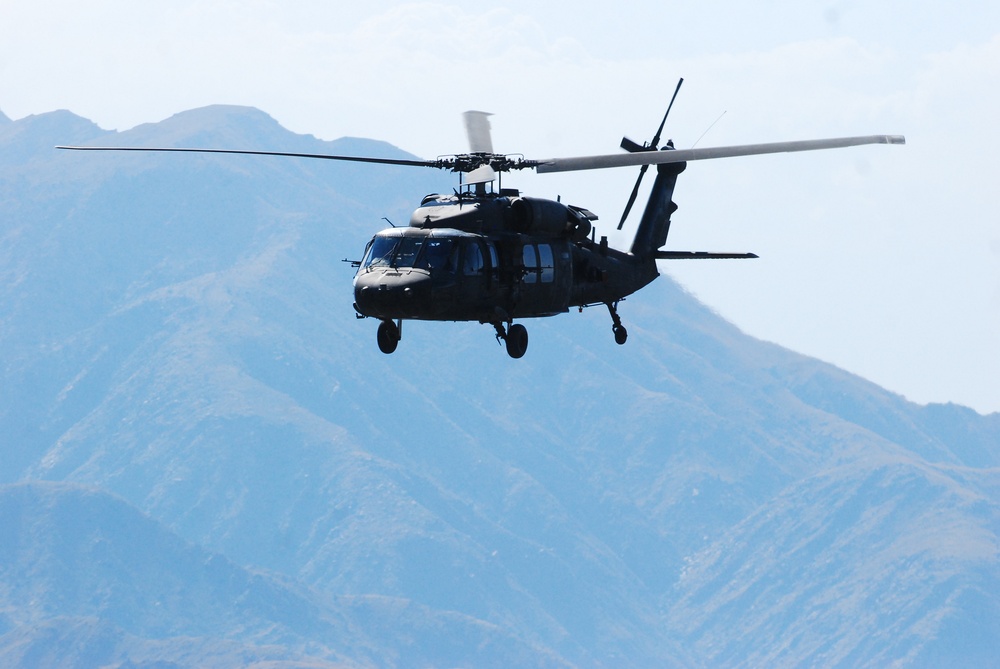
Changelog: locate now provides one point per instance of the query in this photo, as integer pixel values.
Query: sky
(883, 260)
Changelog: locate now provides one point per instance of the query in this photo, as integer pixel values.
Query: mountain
(87, 576)
(179, 349)
(91, 581)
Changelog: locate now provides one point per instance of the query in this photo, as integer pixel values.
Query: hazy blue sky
(883, 260)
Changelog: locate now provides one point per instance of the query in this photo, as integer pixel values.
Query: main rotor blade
(477, 129)
(702, 255)
(358, 159)
(682, 155)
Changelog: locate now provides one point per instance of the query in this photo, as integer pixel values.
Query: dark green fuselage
(493, 258)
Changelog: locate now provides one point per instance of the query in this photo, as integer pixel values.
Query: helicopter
(489, 254)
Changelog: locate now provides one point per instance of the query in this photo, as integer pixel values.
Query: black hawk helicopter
(493, 255)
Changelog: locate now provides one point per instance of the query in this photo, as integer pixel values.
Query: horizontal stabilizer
(633, 147)
(701, 255)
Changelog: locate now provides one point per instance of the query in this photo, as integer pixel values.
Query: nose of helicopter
(391, 294)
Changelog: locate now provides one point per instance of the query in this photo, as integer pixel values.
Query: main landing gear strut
(515, 336)
(621, 334)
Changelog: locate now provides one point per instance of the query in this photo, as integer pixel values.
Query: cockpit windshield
(430, 253)
(380, 252)
(393, 251)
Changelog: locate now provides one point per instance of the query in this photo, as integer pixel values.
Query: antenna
(707, 129)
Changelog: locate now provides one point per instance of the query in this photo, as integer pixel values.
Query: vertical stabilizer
(655, 223)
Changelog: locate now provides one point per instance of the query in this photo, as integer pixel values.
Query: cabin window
(538, 264)
(548, 269)
(530, 264)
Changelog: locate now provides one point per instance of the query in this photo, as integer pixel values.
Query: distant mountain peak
(216, 126)
(61, 118)
(35, 135)
(222, 114)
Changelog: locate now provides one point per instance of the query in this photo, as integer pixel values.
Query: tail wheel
(517, 340)
(621, 334)
(387, 336)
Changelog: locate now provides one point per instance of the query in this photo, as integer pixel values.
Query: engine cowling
(538, 216)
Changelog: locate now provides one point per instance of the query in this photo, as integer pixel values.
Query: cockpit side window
(473, 259)
(438, 255)
(494, 260)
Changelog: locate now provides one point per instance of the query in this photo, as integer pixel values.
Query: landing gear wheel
(517, 340)
(387, 336)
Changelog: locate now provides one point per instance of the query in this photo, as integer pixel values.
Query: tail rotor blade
(656, 138)
(631, 198)
(653, 146)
